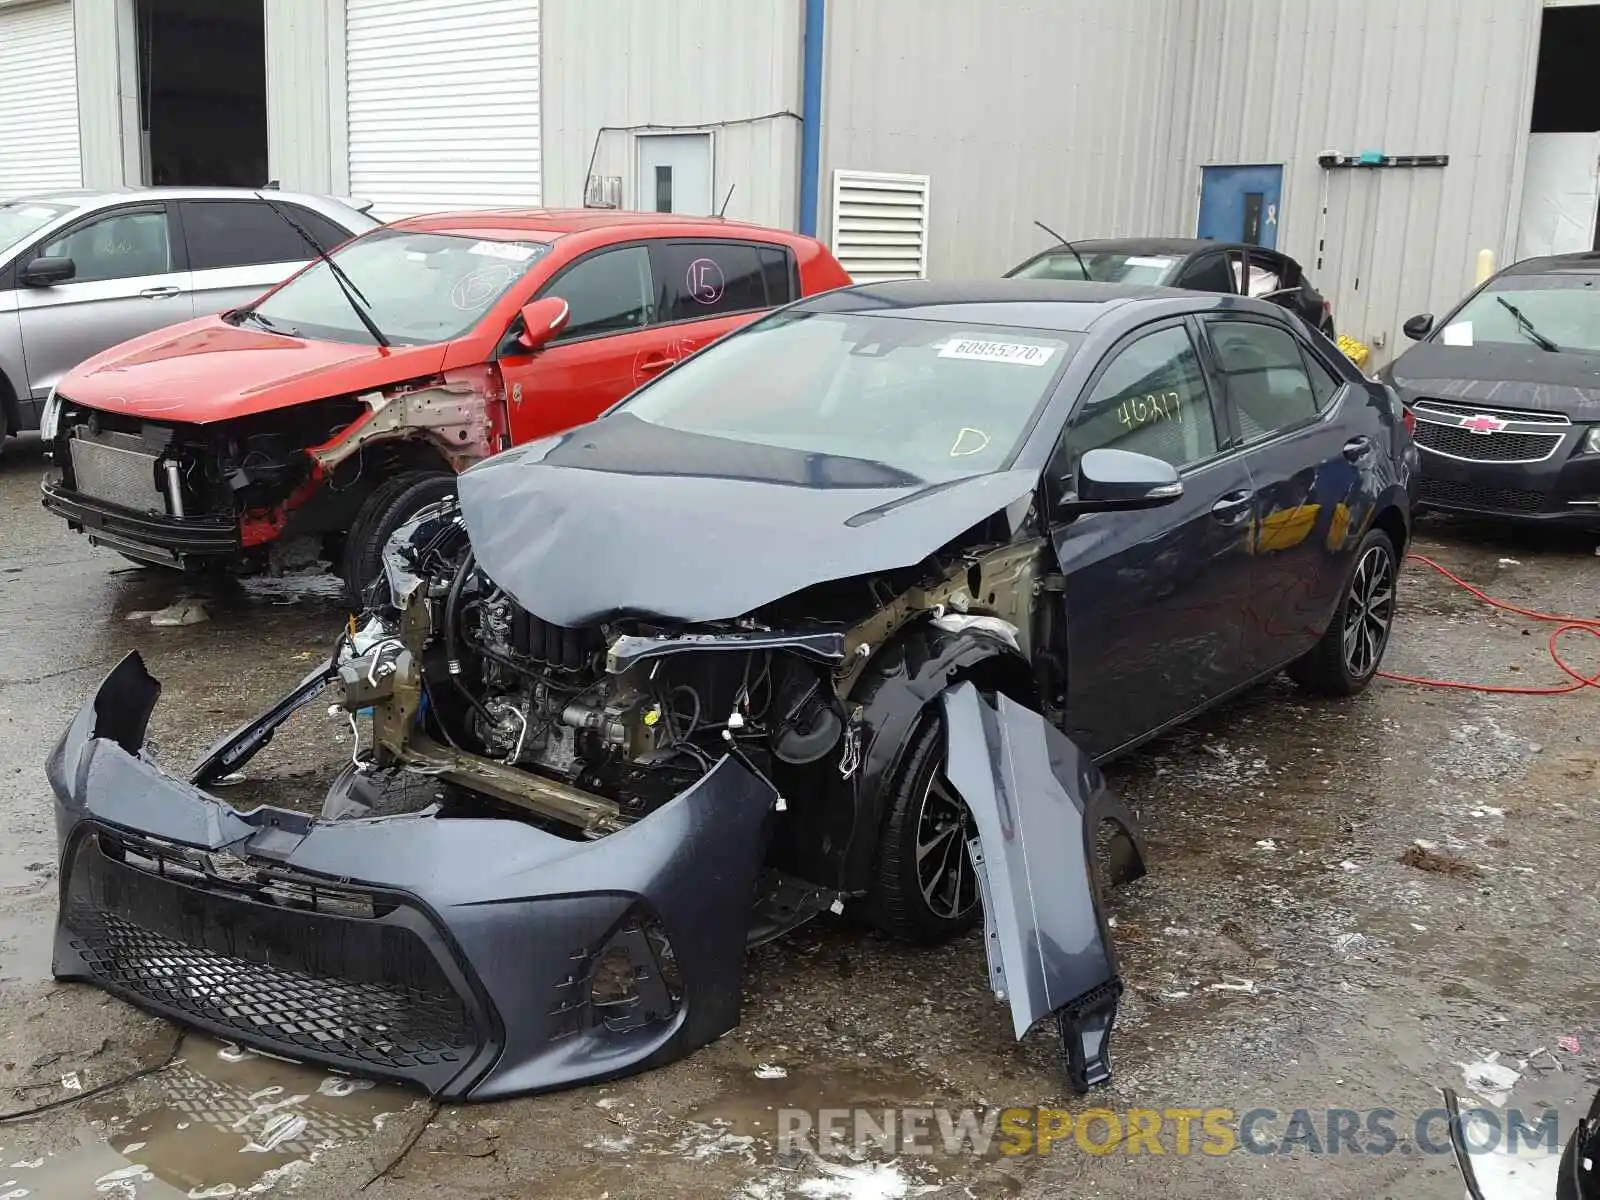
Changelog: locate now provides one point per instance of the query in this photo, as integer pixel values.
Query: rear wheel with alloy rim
(1349, 654)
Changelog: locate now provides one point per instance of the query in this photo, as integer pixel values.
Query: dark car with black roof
(1505, 392)
(1195, 264)
(839, 613)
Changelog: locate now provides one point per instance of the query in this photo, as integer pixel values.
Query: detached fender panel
(1038, 802)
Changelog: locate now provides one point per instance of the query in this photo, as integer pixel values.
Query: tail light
(1410, 419)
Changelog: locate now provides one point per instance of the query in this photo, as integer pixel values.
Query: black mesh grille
(1485, 447)
(1453, 494)
(365, 993)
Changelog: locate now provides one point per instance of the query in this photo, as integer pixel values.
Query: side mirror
(42, 272)
(1418, 327)
(542, 320)
(1118, 480)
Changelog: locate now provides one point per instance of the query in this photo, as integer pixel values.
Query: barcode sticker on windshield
(510, 251)
(1022, 353)
(1139, 260)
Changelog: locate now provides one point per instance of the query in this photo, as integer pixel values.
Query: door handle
(159, 293)
(1357, 447)
(651, 365)
(1234, 507)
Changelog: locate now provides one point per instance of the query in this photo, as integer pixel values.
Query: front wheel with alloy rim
(924, 887)
(1349, 654)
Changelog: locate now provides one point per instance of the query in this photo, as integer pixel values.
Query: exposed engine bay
(588, 728)
(616, 813)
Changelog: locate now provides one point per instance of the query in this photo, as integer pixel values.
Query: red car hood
(208, 370)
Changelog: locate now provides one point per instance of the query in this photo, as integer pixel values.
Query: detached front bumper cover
(478, 958)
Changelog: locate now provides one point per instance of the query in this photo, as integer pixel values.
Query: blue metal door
(1240, 204)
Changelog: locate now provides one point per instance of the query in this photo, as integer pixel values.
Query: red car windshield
(418, 288)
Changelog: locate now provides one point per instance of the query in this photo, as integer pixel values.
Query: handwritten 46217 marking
(1153, 406)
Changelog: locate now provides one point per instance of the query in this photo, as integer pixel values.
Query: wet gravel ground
(1349, 905)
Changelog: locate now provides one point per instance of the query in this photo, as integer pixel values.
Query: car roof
(1157, 245)
(1066, 306)
(548, 224)
(97, 197)
(1583, 263)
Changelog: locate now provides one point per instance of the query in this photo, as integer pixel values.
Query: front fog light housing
(1591, 440)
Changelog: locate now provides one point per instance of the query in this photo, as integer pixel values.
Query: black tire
(1351, 650)
(391, 505)
(918, 805)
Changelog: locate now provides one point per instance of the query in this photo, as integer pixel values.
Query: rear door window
(698, 280)
(608, 292)
(244, 233)
(1265, 376)
(1208, 273)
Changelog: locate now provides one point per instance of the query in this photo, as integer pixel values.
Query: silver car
(81, 271)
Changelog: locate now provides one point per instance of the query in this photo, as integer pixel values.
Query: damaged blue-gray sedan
(839, 613)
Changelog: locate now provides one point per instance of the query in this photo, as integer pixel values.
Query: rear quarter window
(243, 233)
(698, 280)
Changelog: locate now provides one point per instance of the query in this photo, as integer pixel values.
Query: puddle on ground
(27, 938)
(292, 587)
(739, 1129)
(228, 1123)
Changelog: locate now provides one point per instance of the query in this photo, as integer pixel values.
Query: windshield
(931, 399)
(419, 287)
(1104, 266)
(20, 219)
(1563, 310)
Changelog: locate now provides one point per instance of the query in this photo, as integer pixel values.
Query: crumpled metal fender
(1039, 802)
(902, 679)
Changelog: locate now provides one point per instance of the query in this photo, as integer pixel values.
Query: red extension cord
(1564, 624)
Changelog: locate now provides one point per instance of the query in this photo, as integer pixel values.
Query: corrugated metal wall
(618, 63)
(1020, 110)
(305, 93)
(1097, 117)
(306, 122)
(1282, 82)
(98, 31)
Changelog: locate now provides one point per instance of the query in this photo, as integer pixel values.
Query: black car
(839, 612)
(1198, 264)
(1505, 393)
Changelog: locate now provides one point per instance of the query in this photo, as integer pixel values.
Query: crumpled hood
(209, 370)
(621, 517)
(1502, 376)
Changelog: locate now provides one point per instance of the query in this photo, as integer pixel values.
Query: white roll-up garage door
(38, 99)
(444, 104)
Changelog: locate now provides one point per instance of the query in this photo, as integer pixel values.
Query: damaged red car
(316, 421)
